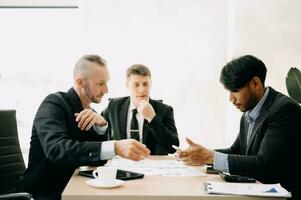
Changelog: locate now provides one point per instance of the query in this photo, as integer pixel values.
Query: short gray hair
(82, 65)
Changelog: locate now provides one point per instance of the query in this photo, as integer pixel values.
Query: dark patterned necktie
(134, 126)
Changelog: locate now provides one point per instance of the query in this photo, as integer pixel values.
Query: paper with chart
(156, 167)
(250, 189)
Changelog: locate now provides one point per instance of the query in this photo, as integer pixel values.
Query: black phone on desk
(121, 174)
(210, 170)
(236, 178)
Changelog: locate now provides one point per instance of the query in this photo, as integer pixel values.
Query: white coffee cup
(105, 174)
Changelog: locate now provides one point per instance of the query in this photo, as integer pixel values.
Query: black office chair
(11, 161)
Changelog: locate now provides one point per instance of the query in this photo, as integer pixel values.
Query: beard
(251, 103)
(90, 96)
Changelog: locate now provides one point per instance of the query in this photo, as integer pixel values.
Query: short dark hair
(238, 72)
(138, 69)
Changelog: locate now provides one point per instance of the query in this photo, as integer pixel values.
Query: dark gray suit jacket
(274, 144)
(58, 146)
(158, 136)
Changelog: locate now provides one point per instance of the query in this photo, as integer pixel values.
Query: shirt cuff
(100, 130)
(220, 161)
(107, 150)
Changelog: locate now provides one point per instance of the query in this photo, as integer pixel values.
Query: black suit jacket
(274, 145)
(158, 135)
(58, 146)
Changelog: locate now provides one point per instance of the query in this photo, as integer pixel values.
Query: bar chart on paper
(250, 189)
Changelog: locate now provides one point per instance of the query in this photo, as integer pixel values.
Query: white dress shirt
(140, 120)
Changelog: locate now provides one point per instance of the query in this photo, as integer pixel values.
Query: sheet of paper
(156, 167)
(250, 189)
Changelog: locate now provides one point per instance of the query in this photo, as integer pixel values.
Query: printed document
(250, 189)
(156, 167)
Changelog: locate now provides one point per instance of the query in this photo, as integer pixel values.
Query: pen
(176, 148)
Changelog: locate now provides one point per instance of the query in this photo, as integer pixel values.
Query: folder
(249, 189)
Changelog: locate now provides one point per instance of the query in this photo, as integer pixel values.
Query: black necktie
(134, 126)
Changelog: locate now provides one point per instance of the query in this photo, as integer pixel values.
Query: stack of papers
(250, 189)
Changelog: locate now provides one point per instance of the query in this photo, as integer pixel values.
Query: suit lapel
(256, 128)
(145, 130)
(123, 118)
(244, 134)
(262, 117)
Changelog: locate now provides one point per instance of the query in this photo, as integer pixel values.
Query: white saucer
(96, 183)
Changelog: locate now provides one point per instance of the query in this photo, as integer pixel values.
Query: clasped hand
(87, 118)
(146, 110)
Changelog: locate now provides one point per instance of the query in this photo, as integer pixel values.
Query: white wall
(184, 42)
(38, 48)
(270, 30)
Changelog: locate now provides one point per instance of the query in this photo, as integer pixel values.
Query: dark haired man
(140, 117)
(267, 145)
(67, 133)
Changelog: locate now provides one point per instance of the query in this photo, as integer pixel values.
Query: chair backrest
(11, 160)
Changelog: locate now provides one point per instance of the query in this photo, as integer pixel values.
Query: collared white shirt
(140, 120)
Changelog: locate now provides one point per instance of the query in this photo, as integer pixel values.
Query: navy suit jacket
(271, 154)
(58, 146)
(158, 135)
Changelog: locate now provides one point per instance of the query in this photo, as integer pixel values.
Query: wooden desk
(150, 188)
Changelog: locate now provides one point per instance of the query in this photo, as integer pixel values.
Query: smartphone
(210, 170)
(236, 178)
(121, 174)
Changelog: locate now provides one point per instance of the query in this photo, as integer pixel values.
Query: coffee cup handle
(94, 174)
